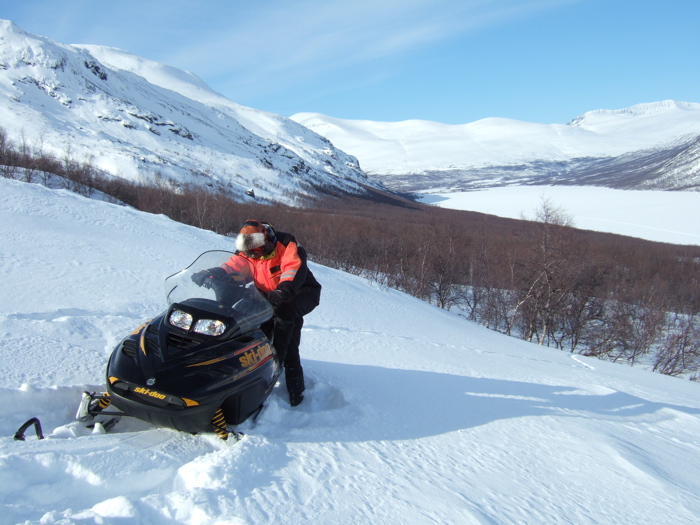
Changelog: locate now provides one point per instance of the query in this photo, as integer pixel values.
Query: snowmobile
(205, 364)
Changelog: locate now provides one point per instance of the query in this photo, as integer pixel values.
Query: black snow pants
(288, 324)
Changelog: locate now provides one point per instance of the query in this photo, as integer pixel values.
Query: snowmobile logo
(256, 355)
(147, 392)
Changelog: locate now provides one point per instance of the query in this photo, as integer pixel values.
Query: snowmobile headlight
(180, 319)
(210, 327)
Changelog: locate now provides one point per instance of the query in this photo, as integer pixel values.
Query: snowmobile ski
(19, 435)
(106, 424)
(93, 404)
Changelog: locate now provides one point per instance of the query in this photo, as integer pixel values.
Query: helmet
(256, 239)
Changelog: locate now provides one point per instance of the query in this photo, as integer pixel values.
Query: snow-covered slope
(412, 415)
(135, 118)
(648, 145)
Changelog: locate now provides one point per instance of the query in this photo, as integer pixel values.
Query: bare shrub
(679, 352)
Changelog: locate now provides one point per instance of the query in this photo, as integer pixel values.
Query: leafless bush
(679, 351)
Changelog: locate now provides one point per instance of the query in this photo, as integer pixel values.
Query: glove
(207, 277)
(279, 296)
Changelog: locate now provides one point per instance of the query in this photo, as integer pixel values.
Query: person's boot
(295, 398)
(295, 384)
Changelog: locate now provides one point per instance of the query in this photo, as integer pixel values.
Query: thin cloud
(282, 43)
(248, 49)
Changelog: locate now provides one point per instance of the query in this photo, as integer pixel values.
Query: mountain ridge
(644, 109)
(135, 118)
(138, 119)
(424, 156)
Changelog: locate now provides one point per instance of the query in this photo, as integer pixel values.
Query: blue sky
(451, 61)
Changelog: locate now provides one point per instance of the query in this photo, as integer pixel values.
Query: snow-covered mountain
(648, 146)
(412, 414)
(134, 118)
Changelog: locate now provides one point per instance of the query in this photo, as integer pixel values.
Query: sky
(450, 61)
(411, 413)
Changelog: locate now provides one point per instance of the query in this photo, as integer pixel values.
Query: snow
(662, 216)
(135, 119)
(416, 146)
(412, 414)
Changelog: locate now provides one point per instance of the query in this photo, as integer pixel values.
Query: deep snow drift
(412, 415)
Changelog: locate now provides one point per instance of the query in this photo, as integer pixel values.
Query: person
(280, 271)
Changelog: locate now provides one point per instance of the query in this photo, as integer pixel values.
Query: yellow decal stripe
(142, 340)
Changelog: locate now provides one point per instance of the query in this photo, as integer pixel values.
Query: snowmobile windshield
(231, 292)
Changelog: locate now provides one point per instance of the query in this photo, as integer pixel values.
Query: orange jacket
(284, 265)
